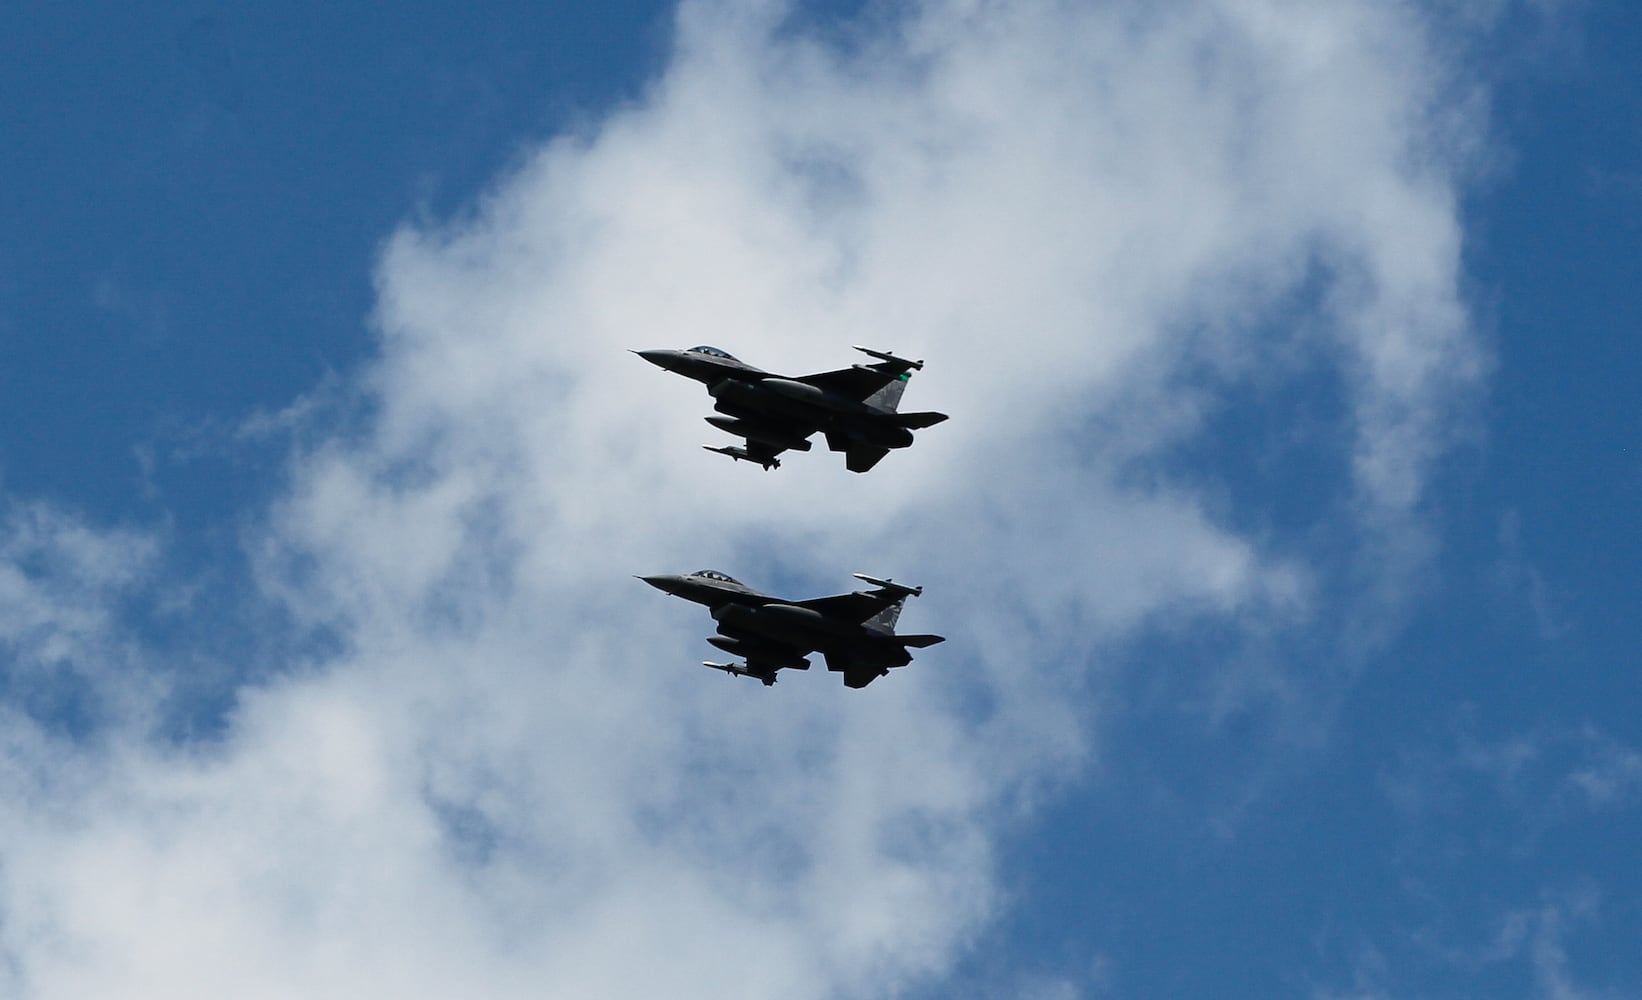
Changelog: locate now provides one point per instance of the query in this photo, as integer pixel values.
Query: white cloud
(510, 779)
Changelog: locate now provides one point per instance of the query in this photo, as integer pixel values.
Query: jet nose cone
(663, 582)
(661, 359)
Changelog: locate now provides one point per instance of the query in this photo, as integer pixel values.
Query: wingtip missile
(886, 356)
(890, 585)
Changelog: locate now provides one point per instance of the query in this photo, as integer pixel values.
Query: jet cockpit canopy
(713, 574)
(713, 352)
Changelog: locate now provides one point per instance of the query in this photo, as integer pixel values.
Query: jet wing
(862, 381)
(857, 382)
(849, 607)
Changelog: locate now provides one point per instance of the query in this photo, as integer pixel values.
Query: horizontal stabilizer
(889, 585)
(919, 641)
(892, 359)
(917, 421)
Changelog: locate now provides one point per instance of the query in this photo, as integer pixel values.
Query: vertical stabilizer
(887, 618)
(889, 397)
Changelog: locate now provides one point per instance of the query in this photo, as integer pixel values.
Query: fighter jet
(854, 407)
(854, 632)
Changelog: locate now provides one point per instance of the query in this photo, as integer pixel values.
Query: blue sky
(1283, 532)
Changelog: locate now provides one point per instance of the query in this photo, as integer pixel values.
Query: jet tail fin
(896, 593)
(887, 618)
(889, 397)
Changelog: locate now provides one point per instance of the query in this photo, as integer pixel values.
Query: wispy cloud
(1545, 775)
(1540, 934)
(63, 586)
(1507, 849)
(1520, 951)
(1521, 583)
